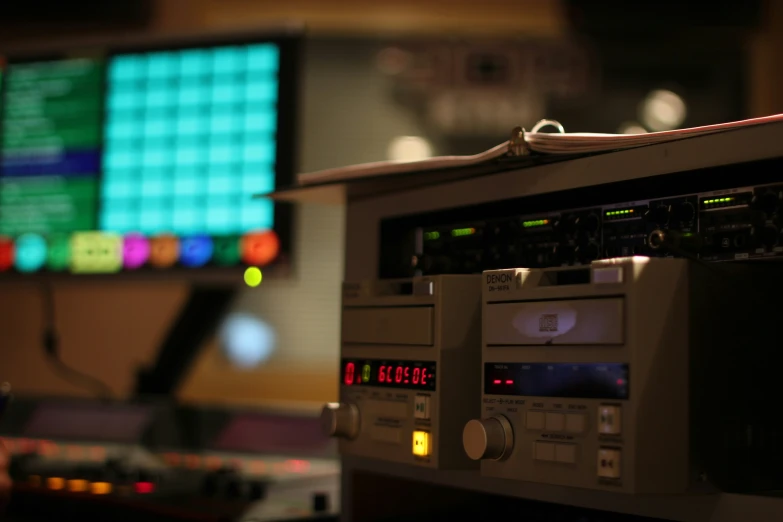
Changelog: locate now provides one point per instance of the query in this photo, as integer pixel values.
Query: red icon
(6, 253)
(260, 248)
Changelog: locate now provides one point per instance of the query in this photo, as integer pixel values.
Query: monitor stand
(198, 319)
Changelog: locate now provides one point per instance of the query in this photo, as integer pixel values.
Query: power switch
(609, 420)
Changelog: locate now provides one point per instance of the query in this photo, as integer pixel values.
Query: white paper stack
(538, 142)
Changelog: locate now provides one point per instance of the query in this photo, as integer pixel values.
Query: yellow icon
(421, 443)
(253, 277)
(100, 488)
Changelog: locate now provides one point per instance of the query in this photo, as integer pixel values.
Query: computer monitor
(144, 157)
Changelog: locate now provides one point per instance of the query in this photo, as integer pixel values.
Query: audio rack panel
(727, 224)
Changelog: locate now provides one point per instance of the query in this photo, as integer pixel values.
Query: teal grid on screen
(190, 136)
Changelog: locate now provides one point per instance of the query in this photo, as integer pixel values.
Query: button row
(554, 452)
(608, 459)
(570, 422)
(609, 421)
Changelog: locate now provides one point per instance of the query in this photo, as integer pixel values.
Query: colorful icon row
(100, 252)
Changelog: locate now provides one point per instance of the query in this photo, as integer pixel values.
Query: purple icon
(135, 250)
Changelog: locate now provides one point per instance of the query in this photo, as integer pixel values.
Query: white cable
(540, 142)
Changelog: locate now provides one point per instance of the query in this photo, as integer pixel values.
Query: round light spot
(662, 110)
(253, 276)
(631, 127)
(409, 148)
(247, 341)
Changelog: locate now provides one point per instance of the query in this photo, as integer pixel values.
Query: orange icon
(260, 248)
(164, 251)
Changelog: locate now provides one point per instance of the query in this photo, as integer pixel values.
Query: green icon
(59, 253)
(226, 251)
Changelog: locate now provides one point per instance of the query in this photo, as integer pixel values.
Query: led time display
(413, 375)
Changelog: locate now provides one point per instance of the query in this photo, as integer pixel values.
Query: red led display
(416, 375)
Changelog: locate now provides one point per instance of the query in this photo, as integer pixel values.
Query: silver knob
(340, 420)
(491, 439)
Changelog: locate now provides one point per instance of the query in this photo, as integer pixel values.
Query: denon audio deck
(410, 349)
(635, 375)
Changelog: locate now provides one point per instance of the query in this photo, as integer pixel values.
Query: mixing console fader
(636, 375)
(410, 349)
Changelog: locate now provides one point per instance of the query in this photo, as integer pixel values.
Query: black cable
(51, 346)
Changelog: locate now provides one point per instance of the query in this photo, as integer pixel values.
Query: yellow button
(421, 443)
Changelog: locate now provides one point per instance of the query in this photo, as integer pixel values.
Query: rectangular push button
(535, 420)
(609, 463)
(609, 420)
(565, 453)
(421, 443)
(555, 421)
(421, 407)
(545, 451)
(385, 434)
(575, 423)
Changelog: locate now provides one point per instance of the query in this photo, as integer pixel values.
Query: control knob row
(661, 214)
(571, 224)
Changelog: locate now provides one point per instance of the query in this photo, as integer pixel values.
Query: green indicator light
(458, 232)
(613, 213)
(535, 223)
(717, 200)
(366, 372)
(430, 236)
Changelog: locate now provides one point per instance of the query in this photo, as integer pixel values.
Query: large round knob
(659, 214)
(491, 438)
(340, 420)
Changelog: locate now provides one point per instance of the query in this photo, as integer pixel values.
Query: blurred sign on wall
(464, 89)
